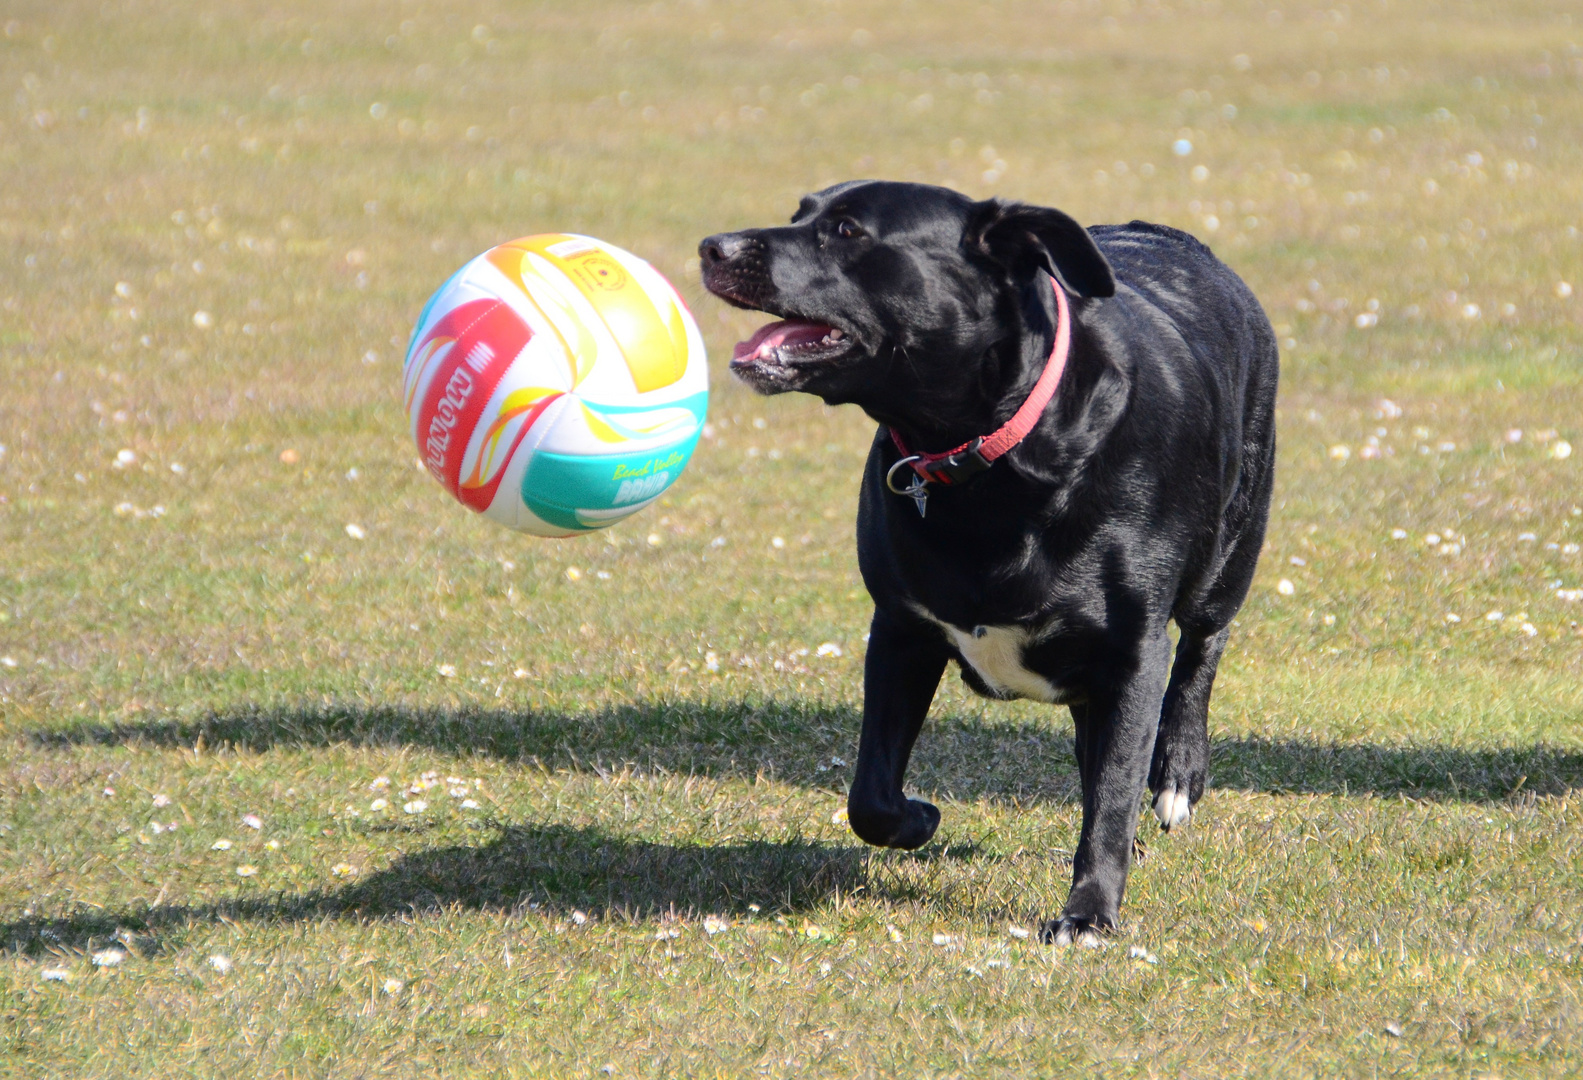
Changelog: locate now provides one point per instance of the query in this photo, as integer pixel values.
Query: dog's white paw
(1173, 808)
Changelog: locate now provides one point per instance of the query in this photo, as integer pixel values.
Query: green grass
(1386, 876)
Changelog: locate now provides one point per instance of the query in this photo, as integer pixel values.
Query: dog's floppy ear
(1025, 238)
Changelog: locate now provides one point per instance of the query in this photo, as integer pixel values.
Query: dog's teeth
(834, 334)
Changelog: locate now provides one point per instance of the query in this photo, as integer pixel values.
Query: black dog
(1139, 495)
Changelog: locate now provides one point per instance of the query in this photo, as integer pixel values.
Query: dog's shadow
(563, 869)
(959, 756)
(552, 869)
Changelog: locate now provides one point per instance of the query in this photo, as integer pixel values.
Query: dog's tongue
(778, 335)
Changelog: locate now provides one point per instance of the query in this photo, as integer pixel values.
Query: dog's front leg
(1115, 741)
(900, 675)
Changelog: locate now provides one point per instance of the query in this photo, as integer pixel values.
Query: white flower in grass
(470, 804)
(55, 975)
(714, 924)
(220, 845)
(392, 986)
(246, 870)
(1561, 450)
(379, 783)
(343, 869)
(1018, 932)
(161, 800)
(108, 957)
(1285, 587)
(252, 821)
(893, 933)
(355, 531)
(379, 804)
(580, 918)
(829, 648)
(447, 671)
(942, 939)
(416, 806)
(220, 963)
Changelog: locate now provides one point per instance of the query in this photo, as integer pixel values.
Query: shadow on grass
(958, 757)
(557, 869)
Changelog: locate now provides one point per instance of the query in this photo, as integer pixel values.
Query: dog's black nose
(719, 248)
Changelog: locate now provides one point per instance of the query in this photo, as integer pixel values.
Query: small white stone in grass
(161, 799)
(246, 870)
(470, 804)
(220, 845)
(1285, 587)
(416, 806)
(580, 918)
(447, 671)
(252, 821)
(777, 542)
(714, 924)
(829, 648)
(1019, 932)
(379, 804)
(355, 532)
(1561, 450)
(392, 986)
(108, 957)
(202, 320)
(54, 975)
(220, 963)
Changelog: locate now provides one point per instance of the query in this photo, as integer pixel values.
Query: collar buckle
(959, 466)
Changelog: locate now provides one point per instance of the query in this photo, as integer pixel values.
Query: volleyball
(556, 384)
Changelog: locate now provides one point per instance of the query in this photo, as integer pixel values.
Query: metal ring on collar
(890, 475)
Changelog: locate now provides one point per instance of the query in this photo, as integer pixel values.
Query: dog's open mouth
(790, 342)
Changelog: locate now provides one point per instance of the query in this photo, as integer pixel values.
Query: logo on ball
(556, 384)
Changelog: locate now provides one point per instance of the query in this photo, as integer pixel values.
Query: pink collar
(976, 455)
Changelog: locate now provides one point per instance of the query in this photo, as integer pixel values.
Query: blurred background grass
(219, 222)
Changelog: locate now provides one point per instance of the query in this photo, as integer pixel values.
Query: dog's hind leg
(900, 675)
(1180, 769)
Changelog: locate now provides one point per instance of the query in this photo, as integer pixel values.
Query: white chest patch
(995, 653)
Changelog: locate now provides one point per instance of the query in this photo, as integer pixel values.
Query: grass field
(443, 800)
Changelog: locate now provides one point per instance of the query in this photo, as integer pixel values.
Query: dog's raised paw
(1172, 807)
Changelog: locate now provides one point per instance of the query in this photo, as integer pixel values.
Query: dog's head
(874, 281)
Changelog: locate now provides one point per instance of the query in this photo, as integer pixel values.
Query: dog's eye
(847, 229)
